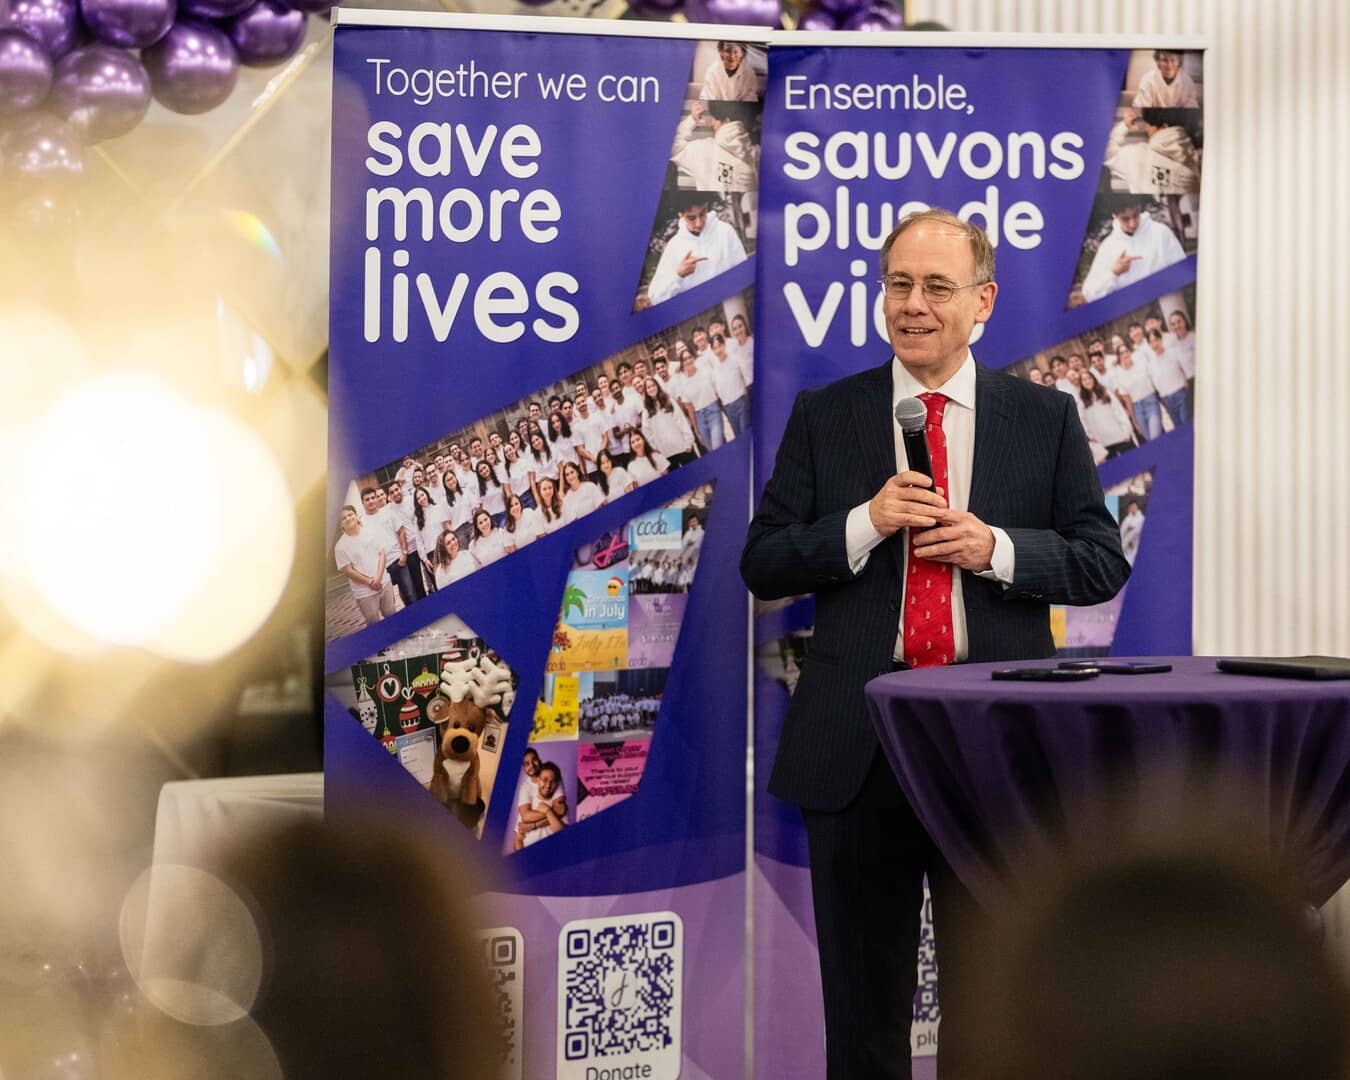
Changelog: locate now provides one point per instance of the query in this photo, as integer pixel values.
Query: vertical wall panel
(1272, 544)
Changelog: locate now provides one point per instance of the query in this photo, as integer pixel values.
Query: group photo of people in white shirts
(1133, 378)
(615, 710)
(1147, 212)
(706, 221)
(420, 524)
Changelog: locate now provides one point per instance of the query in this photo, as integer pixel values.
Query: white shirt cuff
(1003, 561)
(860, 537)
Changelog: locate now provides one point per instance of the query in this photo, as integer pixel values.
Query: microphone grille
(911, 414)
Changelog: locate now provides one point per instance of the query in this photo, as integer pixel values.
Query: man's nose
(916, 303)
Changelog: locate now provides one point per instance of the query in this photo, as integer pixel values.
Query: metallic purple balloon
(39, 146)
(739, 12)
(843, 8)
(133, 24)
(192, 68)
(817, 20)
(267, 33)
(213, 9)
(55, 23)
(25, 72)
(879, 17)
(101, 90)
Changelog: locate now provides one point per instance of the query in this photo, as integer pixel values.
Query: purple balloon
(41, 147)
(816, 19)
(25, 72)
(192, 68)
(101, 90)
(267, 33)
(739, 12)
(879, 17)
(55, 23)
(213, 9)
(133, 24)
(843, 8)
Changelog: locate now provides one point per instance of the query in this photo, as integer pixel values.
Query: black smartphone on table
(1044, 674)
(1116, 667)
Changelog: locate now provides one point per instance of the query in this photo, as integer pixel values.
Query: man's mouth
(916, 331)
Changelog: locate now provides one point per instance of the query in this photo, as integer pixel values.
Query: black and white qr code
(619, 997)
(924, 1030)
(504, 955)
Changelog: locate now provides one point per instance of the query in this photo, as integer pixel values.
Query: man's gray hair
(980, 248)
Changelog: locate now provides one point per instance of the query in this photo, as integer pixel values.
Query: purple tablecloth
(1004, 773)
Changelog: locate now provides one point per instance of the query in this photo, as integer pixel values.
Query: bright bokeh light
(43, 357)
(191, 944)
(135, 517)
(119, 502)
(254, 547)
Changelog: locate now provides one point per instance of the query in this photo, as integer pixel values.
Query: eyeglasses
(898, 287)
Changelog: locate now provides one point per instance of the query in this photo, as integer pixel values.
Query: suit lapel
(994, 430)
(875, 426)
(872, 421)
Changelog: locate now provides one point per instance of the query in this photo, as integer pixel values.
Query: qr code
(923, 1032)
(619, 997)
(504, 955)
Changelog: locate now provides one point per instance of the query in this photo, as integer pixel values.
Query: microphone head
(911, 414)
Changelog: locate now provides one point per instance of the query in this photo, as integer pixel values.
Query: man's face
(1178, 324)
(566, 409)
(547, 783)
(733, 55)
(1152, 323)
(933, 338)
(582, 407)
(1075, 362)
(662, 368)
(1128, 220)
(717, 327)
(531, 763)
(1058, 367)
(371, 501)
(1098, 359)
(598, 398)
(535, 411)
(700, 341)
(1137, 334)
(626, 376)
(694, 218)
(396, 493)
(495, 440)
(640, 371)
(349, 521)
(1169, 64)
(418, 477)
(476, 448)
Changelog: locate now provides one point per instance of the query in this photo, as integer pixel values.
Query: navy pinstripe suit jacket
(1032, 474)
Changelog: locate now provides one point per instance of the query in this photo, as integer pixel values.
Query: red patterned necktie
(929, 638)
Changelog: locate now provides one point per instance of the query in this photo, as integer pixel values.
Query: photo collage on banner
(439, 701)
(484, 491)
(522, 461)
(622, 610)
(707, 219)
(1091, 198)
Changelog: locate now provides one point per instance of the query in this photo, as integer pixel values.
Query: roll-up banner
(545, 237)
(541, 347)
(1082, 162)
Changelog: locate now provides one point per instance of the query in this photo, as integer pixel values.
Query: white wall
(1272, 569)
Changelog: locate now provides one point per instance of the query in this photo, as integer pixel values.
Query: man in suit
(911, 573)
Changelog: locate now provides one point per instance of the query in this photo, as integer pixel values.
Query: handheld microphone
(912, 416)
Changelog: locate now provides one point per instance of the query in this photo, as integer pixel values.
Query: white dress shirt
(958, 425)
